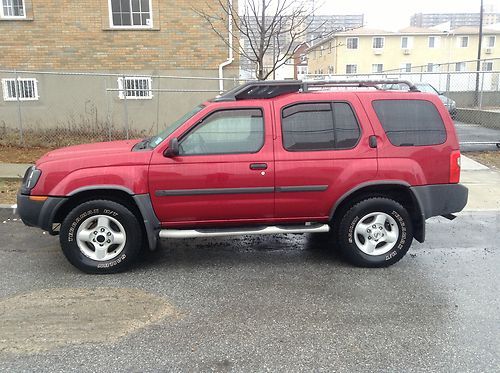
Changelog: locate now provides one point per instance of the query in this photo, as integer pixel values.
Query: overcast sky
(394, 14)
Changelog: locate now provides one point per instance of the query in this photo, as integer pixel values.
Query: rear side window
(319, 126)
(410, 122)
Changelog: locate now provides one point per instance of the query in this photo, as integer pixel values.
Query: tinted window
(410, 122)
(319, 126)
(226, 132)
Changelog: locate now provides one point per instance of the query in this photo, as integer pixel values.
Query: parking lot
(272, 303)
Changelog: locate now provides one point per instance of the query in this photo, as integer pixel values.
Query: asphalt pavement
(274, 303)
(473, 137)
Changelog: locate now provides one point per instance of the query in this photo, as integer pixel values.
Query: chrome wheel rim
(376, 233)
(101, 238)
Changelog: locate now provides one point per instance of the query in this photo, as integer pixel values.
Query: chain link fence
(54, 109)
(471, 97)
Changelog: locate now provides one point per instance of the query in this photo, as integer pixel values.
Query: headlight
(30, 179)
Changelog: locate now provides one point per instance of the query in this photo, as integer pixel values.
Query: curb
(7, 208)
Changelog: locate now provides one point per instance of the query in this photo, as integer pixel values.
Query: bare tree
(267, 26)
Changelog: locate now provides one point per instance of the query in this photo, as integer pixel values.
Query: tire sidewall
(358, 212)
(86, 210)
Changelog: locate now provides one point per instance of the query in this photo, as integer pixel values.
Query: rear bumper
(38, 213)
(440, 199)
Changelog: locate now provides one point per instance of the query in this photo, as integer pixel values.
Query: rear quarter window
(410, 122)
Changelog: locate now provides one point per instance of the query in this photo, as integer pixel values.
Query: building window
(487, 66)
(490, 41)
(463, 41)
(433, 41)
(20, 89)
(460, 66)
(130, 13)
(432, 67)
(352, 43)
(377, 68)
(406, 42)
(406, 67)
(351, 69)
(137, 87)
(13, 9)
(378, 43)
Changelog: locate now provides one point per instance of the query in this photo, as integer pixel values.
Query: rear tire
(375, 232)
(101, 237)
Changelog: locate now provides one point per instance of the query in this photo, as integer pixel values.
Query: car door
(224, 172)
(321, 152)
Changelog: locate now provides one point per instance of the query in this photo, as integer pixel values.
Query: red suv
(367, 165)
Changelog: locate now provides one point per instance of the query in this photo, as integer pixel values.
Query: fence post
(482, 90)
(125, 109)
(19, 114)
(108, 117)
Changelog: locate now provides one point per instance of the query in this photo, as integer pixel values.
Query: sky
(393, 14)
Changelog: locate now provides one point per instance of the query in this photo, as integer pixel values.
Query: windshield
(427, 88)
(156, 140)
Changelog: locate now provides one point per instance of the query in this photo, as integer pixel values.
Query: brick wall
(76, 36)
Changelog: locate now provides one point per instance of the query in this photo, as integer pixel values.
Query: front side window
(410, 122)
(130, 13)
(13, 9)
(378, 43)
(20, 89)
(226, 132)
(135, 88)
(352, 43)
(319, 126)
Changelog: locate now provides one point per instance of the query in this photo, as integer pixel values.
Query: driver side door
(224, 172)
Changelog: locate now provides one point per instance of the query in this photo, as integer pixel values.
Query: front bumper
(38, 213)
(440, 199)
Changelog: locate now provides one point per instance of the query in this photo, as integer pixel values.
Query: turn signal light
(455, 166)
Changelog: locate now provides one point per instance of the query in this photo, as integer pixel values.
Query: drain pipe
(230, 57)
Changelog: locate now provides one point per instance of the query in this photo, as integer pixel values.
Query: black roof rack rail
(274, 88)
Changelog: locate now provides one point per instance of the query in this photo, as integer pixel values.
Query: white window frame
(434, 67)
(437, 40)
(375, 67)
(460, 66)
(149, 91)
(383, 42)
(17, 82)
(347, 43)
(409, 42)
(131, 27)
(3, 16)
(352, 65)
(405, 67)
(487, 39)
(460, 38)
(487, 63)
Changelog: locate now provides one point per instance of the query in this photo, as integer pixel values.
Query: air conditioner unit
(406, 51)
(488, 51)
(377, 51)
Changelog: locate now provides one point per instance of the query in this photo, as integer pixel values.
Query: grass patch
(490, 158)
(8, 191)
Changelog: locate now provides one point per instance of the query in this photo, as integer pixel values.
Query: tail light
(455, 166)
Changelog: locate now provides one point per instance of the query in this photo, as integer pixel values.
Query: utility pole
(478, 63)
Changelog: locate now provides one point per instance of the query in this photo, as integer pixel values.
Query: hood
(89, 151)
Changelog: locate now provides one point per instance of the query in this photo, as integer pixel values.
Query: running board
(194, 233)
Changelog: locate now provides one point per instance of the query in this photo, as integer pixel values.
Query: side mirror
(173, 148)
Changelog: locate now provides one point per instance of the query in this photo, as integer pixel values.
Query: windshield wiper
(144, 143)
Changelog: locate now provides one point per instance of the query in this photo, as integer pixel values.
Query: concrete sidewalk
(13, 170)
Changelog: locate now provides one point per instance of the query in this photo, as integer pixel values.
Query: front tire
(101, 237)
(375, 232)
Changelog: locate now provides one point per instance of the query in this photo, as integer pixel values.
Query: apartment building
(456, 19)
(366, 51)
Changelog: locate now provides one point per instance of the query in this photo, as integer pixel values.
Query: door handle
(258, 166)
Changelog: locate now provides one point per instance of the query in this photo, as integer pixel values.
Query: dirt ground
(490, 159)
(8, 191)
(16, 154)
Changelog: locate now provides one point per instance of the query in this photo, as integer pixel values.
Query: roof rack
(274, 88)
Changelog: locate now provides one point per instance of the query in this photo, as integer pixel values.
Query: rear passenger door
(321, 150)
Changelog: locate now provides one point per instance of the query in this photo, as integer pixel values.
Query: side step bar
(194, 233)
